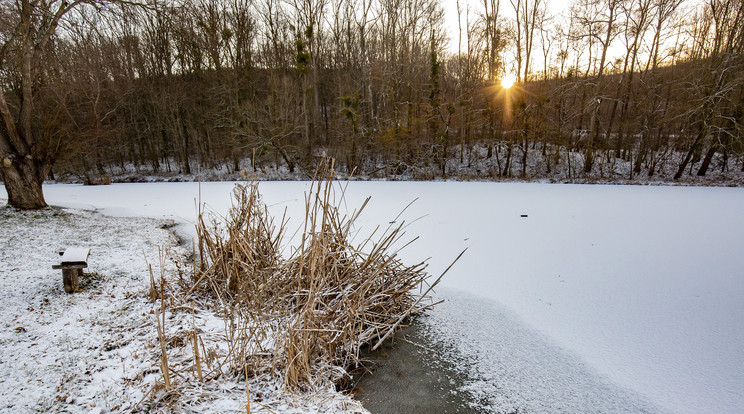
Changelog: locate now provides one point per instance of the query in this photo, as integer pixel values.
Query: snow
(75, 255)
(515, 369)
(73, 353)
(613, 296)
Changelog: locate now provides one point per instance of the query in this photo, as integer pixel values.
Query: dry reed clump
(305, 317)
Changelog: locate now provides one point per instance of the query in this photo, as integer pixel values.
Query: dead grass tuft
(303, 317)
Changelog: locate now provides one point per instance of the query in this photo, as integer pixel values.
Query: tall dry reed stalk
(156, 293)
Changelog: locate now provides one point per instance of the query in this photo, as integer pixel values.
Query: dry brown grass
(305, 317)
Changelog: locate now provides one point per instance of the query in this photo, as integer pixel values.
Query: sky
(476, 6)
(556, 9)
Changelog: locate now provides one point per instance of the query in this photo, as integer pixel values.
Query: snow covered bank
(644, 284)
(474, 162)
(97, 351)
(85, 352)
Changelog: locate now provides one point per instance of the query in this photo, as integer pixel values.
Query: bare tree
(599, 18)
(27, 152)
(716, 117)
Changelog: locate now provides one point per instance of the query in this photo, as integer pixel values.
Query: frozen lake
(602, 297)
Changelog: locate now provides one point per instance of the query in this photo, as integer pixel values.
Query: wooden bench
(72, 263)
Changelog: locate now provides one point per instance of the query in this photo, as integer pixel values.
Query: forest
(613, 89)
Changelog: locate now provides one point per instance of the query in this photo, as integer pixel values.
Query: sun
(508, 81)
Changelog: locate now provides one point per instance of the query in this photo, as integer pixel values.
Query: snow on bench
(73, 260)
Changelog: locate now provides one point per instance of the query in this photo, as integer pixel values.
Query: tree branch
(10, 141)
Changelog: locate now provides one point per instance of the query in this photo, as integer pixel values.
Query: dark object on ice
(72, 263)
(523, 215)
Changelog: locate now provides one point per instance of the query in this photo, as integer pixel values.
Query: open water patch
(410, 374)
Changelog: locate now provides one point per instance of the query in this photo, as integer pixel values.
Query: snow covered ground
(97, 350)
(602, 297)
(81, 352)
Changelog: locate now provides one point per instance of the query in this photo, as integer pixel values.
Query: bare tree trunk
(23, 182)
(707, 159)
(693, 148)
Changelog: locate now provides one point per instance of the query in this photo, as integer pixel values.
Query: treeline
(168, 86)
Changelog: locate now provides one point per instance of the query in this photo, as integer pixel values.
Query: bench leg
(70, 279)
